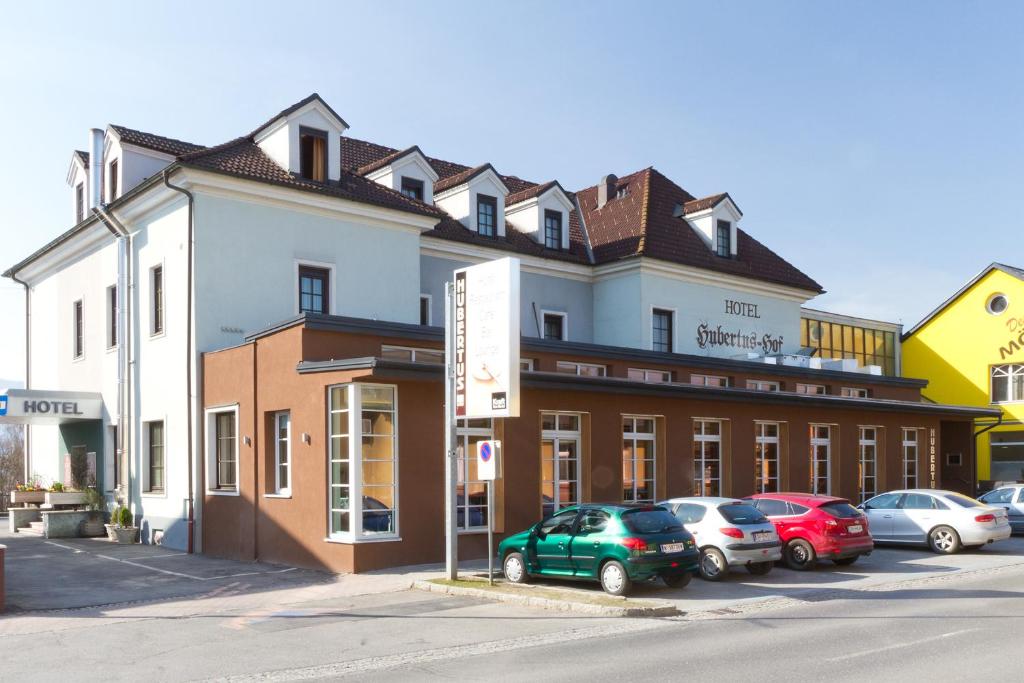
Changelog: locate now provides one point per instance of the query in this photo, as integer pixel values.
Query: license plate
(855, 528)
(762, 535)
(672, 547)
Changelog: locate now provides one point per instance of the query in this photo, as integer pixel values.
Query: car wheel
(845, 561)
(614, 579)
(515, 568)
(713, 566)
(677, 580)
(944, 540)
(799, 555)
(759, 568)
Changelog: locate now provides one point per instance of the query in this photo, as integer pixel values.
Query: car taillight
(637, 544)
(732, 532)
(831, 527)
(985, 518)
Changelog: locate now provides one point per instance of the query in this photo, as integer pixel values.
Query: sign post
(488, 468)
(481, 369)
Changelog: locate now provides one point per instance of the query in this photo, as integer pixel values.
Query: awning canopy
(38, 406)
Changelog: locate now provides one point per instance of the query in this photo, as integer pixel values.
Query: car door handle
(886, 516)
(597, 544)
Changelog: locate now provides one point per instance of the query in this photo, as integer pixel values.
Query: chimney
(606, 189)
(95, 166)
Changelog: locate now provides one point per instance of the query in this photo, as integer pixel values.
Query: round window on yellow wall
(996, 304)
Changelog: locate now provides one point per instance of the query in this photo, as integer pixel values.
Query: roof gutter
(188, 354)
(26, 463)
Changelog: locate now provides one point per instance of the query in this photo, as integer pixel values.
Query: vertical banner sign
(486, 338)
(931, 457)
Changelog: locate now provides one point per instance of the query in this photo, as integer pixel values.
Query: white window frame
(634, 436)
(109, 456)
(286, 460)
(909, 443)
(430, 308)
(147, 490)
(702, 438)
(705, 378)
(526, 365)
(355, 477)
(762, 439)
(77, 317)
(153, 333)
(332, 302)
(1010, 371)
(853, 392)
(464, 456)
(815, 440)
(557, 435)
(210, 425)
(863, 443)
(565, 323)
(413, 351)
(111, 318)
(563, 365)
(762, 385)
(675, 327)
(647, 373)
(801, 388)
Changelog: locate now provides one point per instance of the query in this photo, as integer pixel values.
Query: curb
(649, 610)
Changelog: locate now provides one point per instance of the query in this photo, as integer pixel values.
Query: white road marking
(899, 646)
(192, 576)
(66, 547)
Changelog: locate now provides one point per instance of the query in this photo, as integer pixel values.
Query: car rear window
(741, 513)
(840, 510)
(651, 521)
(963, 501)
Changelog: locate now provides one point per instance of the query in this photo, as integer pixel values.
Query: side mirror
(537, 531)
(863, 506)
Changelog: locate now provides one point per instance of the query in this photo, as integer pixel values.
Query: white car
(945, 520)
(729, 533)
(1010, 497)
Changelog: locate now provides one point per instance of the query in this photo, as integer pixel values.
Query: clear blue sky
(877, 146)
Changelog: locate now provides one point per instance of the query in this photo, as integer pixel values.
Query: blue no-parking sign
(487, 453)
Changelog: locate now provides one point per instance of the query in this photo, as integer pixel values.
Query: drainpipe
(974, 460)
(28, 364)
(188, 354)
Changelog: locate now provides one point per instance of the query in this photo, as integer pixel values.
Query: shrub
(56, 487)
(125, 517)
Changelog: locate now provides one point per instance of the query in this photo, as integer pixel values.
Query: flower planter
(93, 526)
(65, 497)
(110, 532)
(126, 534)
(28, 497)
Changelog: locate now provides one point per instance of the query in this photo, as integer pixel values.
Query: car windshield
(741, 513)
(840, 510)
(962, 500)
(651, 521)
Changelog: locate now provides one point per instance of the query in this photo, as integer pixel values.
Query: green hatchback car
(613, 544)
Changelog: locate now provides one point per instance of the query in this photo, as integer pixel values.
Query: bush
(125, 517)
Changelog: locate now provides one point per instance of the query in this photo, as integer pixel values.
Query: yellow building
(971, 351)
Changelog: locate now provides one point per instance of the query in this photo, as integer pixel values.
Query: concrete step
(38, 526)
(30, 531)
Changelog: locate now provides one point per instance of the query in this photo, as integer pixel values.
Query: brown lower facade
(324, 440)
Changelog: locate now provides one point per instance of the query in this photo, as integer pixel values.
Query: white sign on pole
(488, 455)
(486, 337)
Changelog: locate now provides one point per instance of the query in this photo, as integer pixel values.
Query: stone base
(21, 517)
(63, 523)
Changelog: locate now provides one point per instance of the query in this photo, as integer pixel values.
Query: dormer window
(486, 215)
(79, 203)
(112, 181)
(622, 192)
(724, 242)
(313, 154)
(552, 229)
(411, 187)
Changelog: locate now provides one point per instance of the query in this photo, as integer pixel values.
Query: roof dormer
(542, 211)
(476, 198)
(407, 171)
(78, 180)
(305, 139)
(714, 219)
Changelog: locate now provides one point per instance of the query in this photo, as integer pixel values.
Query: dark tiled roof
(514, 240)
(155, 142)
(533, 191)
(83, 157)
(461, 178)
(695, 205)
(389, 159)
(642, 224)
(299, 105)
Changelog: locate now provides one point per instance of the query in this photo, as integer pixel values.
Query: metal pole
(451, 549)
(490, 533)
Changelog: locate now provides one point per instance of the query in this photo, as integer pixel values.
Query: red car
(814, 527)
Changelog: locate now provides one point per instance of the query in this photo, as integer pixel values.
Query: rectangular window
(471, 491)
(411, 354)
(225, 452)
(709, 381)
(79, 203)
(910, 458)
(363, 458)
(111, 316)
(283, 452)
(813, 389)
(425, 301)
(821, 459)
(724, 239)
(314, 290)
(554, 326)
(113, 468)
(766, 457)
(762, 385)
(411, 187)
(526, 364)
(552, 229)
(638, 454)
(707, 458)
(79, 341)
(661, 330)
(313, 154)
(1007, 383)
(559, 461)
(112, 181)
(156, 279)
(486, 215)
(651, 376)
(582, 369)
(155, 466)
(853, 392)
(868, 466)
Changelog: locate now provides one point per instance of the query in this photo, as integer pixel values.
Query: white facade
(528, 216)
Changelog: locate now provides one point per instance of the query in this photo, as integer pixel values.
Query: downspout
(188, 355)
(28, 364)
(974, 460)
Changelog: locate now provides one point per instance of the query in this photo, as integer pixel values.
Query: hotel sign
(32, 406)
(486, 340)
(743, 340)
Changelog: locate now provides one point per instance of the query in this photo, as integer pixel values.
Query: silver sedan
(945, 520)
(729, 533)
(1010, 497)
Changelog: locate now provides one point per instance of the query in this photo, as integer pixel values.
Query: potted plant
(114, 516)
(29, 493)
(125, 531)
(96, 504)
(60, 495)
